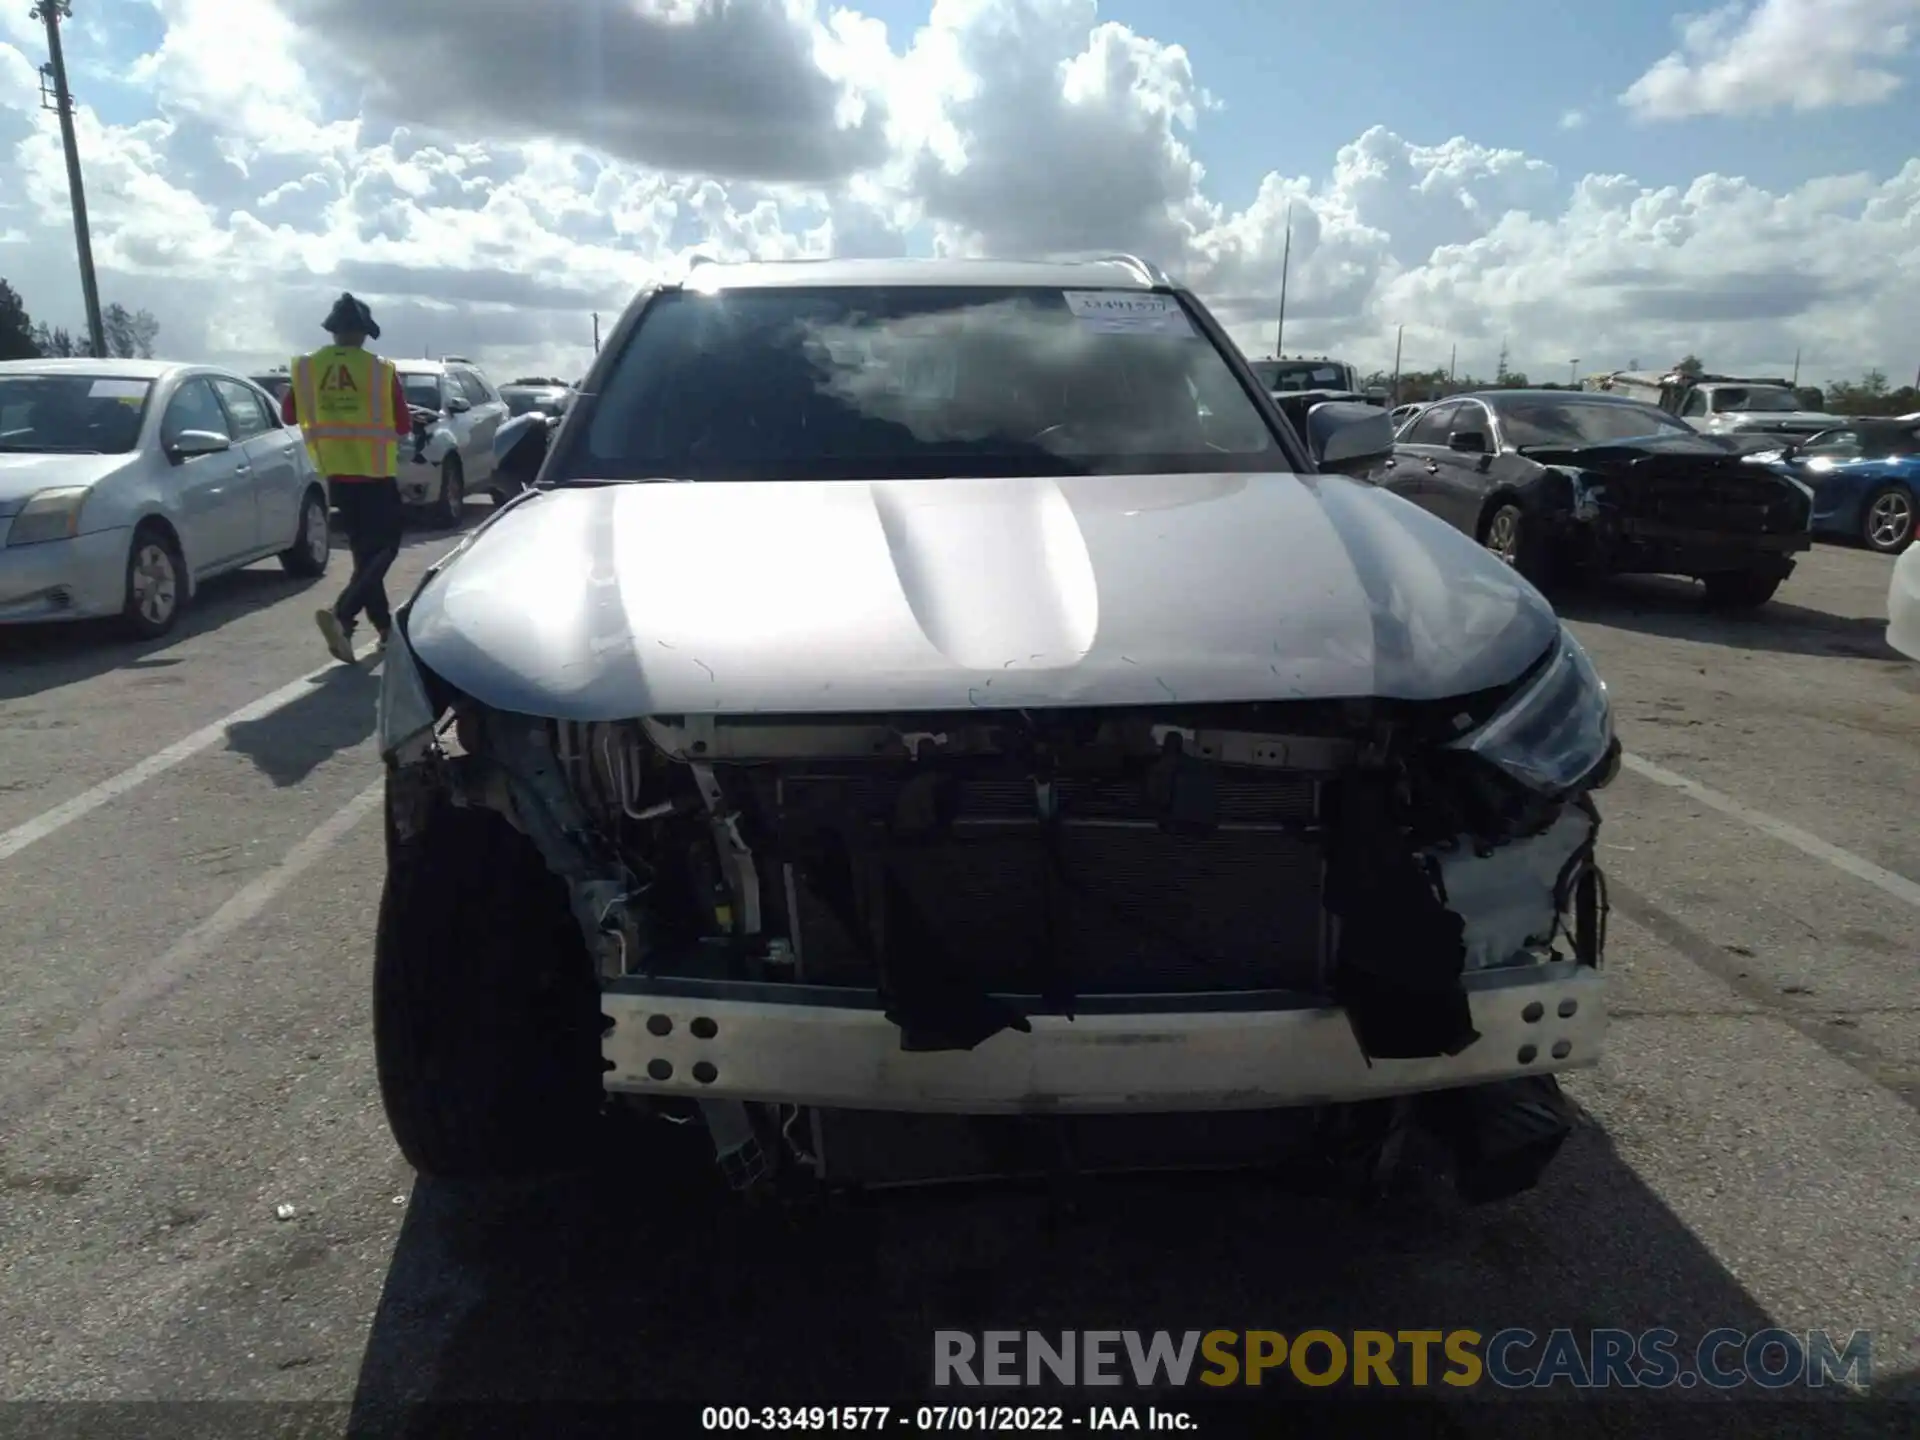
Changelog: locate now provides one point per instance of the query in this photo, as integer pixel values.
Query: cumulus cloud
(1778, 54)
(487, 198)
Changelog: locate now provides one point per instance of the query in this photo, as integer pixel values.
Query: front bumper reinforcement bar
(834, 1047)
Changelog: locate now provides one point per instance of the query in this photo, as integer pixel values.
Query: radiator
(1129, 908)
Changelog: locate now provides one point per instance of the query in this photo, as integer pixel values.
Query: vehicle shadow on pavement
(336, 714)
(1659, 605)
(37, 658)
(601, 1294)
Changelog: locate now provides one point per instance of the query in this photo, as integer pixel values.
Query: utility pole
(596, 332)
(53, 88)
(1399, 332)
(1573, 374)
(1796, 367)
(1453, 364)
(1286, 263)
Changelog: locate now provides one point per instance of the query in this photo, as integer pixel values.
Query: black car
(1558, 481)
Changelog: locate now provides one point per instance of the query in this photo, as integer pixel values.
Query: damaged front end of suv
(932, 721)
(888, 948)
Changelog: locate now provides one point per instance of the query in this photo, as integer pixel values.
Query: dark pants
(371, 512)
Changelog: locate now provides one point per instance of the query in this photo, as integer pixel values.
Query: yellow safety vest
(343, 398)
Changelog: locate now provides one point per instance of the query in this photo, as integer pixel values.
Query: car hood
(850, 596)
(23, 476)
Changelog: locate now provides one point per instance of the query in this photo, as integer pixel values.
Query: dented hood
(854, 596)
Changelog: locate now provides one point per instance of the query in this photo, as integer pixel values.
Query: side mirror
(458, 405)
(190, 443)
(1348, 436)
(1469, 442)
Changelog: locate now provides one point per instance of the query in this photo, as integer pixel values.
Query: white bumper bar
(835, 1048)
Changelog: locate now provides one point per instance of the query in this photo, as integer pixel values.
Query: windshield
(1576, 423)
(423, 389)
(97, 414)
(1754, 397)
(1284, 375)
(918, 382)
(519, 402)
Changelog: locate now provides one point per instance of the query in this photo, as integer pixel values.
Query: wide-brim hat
(350, 317)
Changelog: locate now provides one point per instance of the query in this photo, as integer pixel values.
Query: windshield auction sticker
(1124, 312)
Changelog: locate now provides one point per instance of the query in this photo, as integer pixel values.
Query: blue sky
(250, 138)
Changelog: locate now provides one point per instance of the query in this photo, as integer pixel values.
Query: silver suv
(457, 411)
(962, 726)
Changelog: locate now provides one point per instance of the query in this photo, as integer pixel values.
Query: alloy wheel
(156, 583)
(1890, 520)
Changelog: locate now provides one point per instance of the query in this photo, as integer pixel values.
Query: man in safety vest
(352, 408)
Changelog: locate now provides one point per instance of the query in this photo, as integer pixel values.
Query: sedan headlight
(1556, 732)
(49, 515)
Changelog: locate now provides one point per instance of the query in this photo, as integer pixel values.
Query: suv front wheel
(486, 1007)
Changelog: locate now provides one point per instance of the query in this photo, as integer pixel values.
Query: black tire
(1741, 589)
(451, 503)
(1886, 520)
(312, 544)
(486, 1008)
(154, 569)
(1509, 532)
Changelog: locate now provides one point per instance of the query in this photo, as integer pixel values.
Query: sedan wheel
(1889, 524)
(1503, 533)
(307, 557)
(153, 586)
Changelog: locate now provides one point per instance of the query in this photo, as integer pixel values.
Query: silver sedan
(124, 484)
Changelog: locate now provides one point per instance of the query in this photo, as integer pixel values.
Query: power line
(55, 96)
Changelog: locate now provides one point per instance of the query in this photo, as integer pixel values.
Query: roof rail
(1146, 270)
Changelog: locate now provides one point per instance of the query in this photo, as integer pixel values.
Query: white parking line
(1897, 886)
(13, 841)
(180, 958)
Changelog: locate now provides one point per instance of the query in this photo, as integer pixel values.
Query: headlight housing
(49, 515)
(1556, 732)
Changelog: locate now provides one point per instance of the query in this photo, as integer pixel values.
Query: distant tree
(145, 330)
(55, 343)
(16, 326)
(1690, 365)
(1500, 367)
(1870, 395)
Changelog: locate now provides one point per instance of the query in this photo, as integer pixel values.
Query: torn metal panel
(1509, 899)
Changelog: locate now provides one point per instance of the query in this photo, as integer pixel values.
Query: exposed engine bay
(980, 872)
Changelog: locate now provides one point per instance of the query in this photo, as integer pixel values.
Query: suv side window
(472, 386)
(194, 407)
(249, 416)
(1696, 403)
(1432, 426)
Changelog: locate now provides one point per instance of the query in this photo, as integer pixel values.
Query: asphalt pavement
(199, 1198)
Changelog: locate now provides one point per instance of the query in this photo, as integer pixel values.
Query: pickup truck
(1722, 404)
(1319, 374)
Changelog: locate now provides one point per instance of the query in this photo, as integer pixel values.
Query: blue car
(1865, 478)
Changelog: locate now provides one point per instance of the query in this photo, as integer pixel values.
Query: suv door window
(1696, 403)
(472, 386)
(1432, 426)
(244, 409)
(194, 407)
(423, 389)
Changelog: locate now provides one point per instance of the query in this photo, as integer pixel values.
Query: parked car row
(126, 484)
